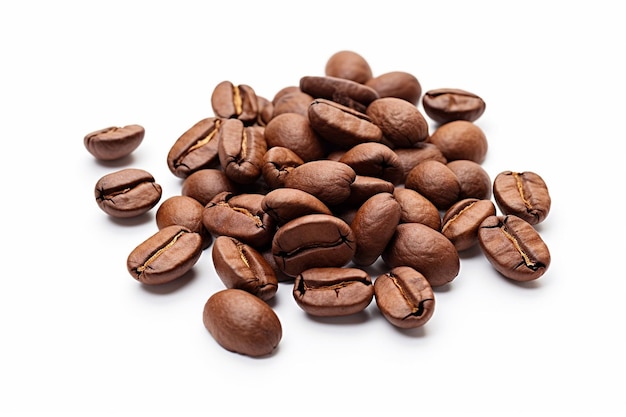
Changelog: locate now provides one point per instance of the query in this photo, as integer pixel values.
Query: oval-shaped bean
(523, 194)
(195, 149)
(128, 192)
(114, 142)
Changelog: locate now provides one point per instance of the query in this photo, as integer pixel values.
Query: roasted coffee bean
(241, 266)
(128, 192)
(473, 179)
(293, 131)
(241, 150)
(269, 258)
(423, 151)
(461, 222)
(523, 194)
(329, 181)
(341, 125)
(425, 250)
(285, 204)
(185, 211)
(374, 224)
(404, 297)
(513, 247)
(364, 187)
(242, 323)
(205, 184)
(314, 240)
(349, 65)
(398, 84)
(445, 105)
(114, 142)
(436, 182)
(461, 139)
(266, 111)
(195, 149)
(402, 124)
(333, 292)
(284, 91)
(165, 256)
(293, 102)
(241, 217)
(374, 160)
(348, 93)
(278, 162)
(415, 208)
(235, 102)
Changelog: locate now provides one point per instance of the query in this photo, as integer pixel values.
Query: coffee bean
(285, 204)
(329, 181)
(461, 222)
(398, 84)
(445, 105)
(231, 101)
(402, 124)
(513, 247)
(523, 194)
(241, 150)
(114, 142)
(332, 291)
(461, 139)
(184, 211)
(278, 162)
(349, 65)
(374, 160)
(293, 131)
(415, 208)
(126, 193)
(422, 151)
(436, 182)
(205, 184)
(364, 187)
(195, 149)
(473, 179)
(348, 93)
(292, 102)
(242, 323)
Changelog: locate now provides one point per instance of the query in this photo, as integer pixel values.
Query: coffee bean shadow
(144, 218)
(530, 285)
(473, 252)
(443, 288)
(352, 319)
(417, 332)
(123, 162)
(173, 286)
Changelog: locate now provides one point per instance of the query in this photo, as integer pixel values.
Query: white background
(81, 337)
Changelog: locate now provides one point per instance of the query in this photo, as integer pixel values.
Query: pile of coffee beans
(315, 185)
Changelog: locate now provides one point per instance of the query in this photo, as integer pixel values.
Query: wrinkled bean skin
(165, 256)
(114, 142)
(278, 162)
(349, 65)
(332, 291)
(235, 102)
(514, 248)
(242, 323)
(404, 297)
(445, 105)
(127, 193)
(329, 181)
(523, 194)
(461, 222)
(195, 149)
(241, 150)
(398, 84)
(374, 159)
(348, 93)
(241, 266)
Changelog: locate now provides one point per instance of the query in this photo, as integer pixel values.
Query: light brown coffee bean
(195, 149)
(128, 192)
(436, 182)
(114, 142)
(402, 124)
(461, 139)
(398, 84)
(349, 65)
(242, 323)
(445, 105)
(415, 208)
(461, 222)
(523, 194)
(329, 181)
(285, 204)
(231, 101)
(184, 211)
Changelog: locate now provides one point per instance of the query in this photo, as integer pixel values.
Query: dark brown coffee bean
(114, 142)
(128, 192)
(311, 241)
(285, 204)
(374, 224)
(293, 131)
(461, 222)
(374, 160)
(364, 187)
(513, 247)
(184, 211)
(523, 194)
(348, 93)
(341, 125)
(240, 217)
(205, 184)
(404, 297)
(402, 124)
(241, 266)
(242, 323)
(294, 102)
(445, 105)
(473, 179)
(416, 208)
(278, 162)
(241, 150)
(195, 149)
(398, 84)
(436, 182)
(333, 292)
(165, 256)
(425, 250)
(409, 157)
(461, 139)
(231, 101)
(349, 65)
(329, 181)
(266, 111)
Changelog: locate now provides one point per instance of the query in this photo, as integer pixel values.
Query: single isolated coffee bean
(114, 142)
(513, 247)
(195, 149)
(128, 192)
(332, 291)
(523, 194)
(461, 222)
(445, 105)
(242, 323)
(349, 65)
(404, 297)
(399, 84)
(231, 101)
(241, 266)
(461, 139)
(165, 256)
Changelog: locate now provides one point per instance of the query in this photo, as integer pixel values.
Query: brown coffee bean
(523, 194)
(333, 292)
(436, 182)
(114, 142)
(402, 124)
(278, 162)
(266, 111)
(364, 187)
(398, 84)
(293, 102)
(284, 91)
(231, 101)
(415, 208)
(126, 193)
(473, 179)
(374, 224)
(461, 222)
(293, 131)
(285, 204)
(409, 157)
(513, 247)
(242, 323)
(183, 211)
(404, 297)
(165, 256)
(241, 150)
(329, 181)
(425, 250)
(349, 65)
(241, 266)
(348, 93)
(205, 184)
(374, 160)
(461, 139)
(195, 149)
(445, 105)
(311, 241)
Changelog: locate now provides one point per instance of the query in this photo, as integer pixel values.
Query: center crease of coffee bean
(415, 311)
(525, 258)
(159, 252)
(456, 216)
(237, 100)
(257, 219)
(520, 188)
(200, 143)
